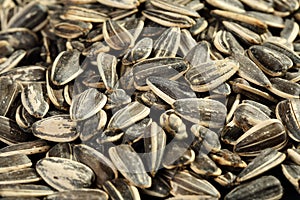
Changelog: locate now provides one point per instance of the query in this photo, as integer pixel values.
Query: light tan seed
(64, 174)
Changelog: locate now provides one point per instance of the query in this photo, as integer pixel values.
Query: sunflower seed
(27, 175)
(102, 166)
(27, 148)
(86, 104)
(61, 150)
(168, 43)
(198, 54)
(78, 194)
(294, 155)
(269, 133)
(12, 61)
(247, 116)
(123, 4)
(120, 189)
(65, 67)
(154, 144)
(207, 76)
(169, 19)
(83, 14)
(25, 190)
(64, 174)
(130, 165)
(227, 158)
(184, 183)
(169, 90)
(266, 160)
(116, 36)
(169, 68)
(292, 173)
(14, 162)
(206, 112)
(203, 165)
(33, 99)
(266, 187)
(58, 128)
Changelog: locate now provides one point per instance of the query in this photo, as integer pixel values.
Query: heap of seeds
(149, 99)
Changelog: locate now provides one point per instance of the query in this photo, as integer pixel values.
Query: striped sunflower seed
(102, 166)
(206, 112)
(168, 67)
(205, 166)
(116, 36)
(207, 76)
(33, 99)
(58, 128)
(61, 150)
(86, 104)
(265, 161)
(130, 165)
(266, 134)
(78, 194)
(27, 148)
(294, 155)
(120, 189)
(183, 183)
(154, 144)
(169, 19)
(14, 162)
(65, 67)
(107, 67)
(123, 4)
(168, 43)
(266, 187)
(64, 174)
(292, 173)
(25, 190)
(128, 115)
(169, 90)
(20, 176)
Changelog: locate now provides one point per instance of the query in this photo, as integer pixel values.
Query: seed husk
(265, 161)
(61, 150)
(19, 176)
(168, 67)
(14, 162)
(10, 132)
(120, 189)
(246, 116)
(187, 42)
(169, 19)
(266, 187)
(268, 133)
(123, 4)
(128, 115)
(206, 112)
(27, 148)
(251, 72)
(294, 155)
(25, 190)
(184, 183)
(65, 67)
(84, 14)
(101, 165)
(116, 36)
(205, 166)
(8, 94)
(207, 76)
(227, 158)
(292, 173)
(130, 165)
(198, 54)
(86, 104)
(64, 174)
(33, 99)
(78, 194)
(169, 90)
(168, 43)
(58, 128)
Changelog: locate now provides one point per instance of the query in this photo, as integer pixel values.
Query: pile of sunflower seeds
(149, 99)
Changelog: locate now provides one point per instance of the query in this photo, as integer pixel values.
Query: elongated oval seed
(206, 112)
(266, 187)
(64, 174)
(266, 134)
(128, 115)
(58, 128)
(130, 165)
(208, 76)
(266, 160)
(86, 104)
